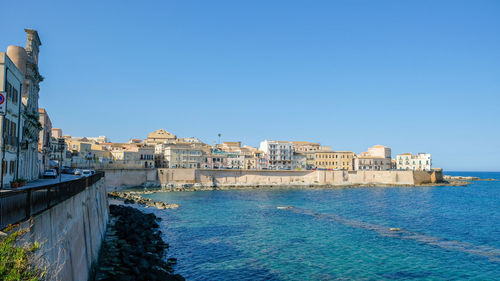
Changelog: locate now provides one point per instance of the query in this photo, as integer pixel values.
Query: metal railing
(21, 204)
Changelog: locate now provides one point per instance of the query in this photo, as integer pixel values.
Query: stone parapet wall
(71, 233)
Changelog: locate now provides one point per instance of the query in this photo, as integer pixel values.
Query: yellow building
(334, 160)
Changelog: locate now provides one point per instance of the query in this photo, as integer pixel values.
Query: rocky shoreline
(133, 248)
(461, 178)
(133, 197)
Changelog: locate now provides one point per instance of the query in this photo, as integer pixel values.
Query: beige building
(58, 156)
(376, 158)
(81, 151)
(183, 156)
(160, 136)
(334, 160)
(57, 133)
(304, 149)
(44, 141)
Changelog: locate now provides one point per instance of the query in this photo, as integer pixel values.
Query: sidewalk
(42, 182)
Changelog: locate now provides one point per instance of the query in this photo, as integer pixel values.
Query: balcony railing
(21, 204)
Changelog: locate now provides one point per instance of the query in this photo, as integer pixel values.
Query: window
(12, 167)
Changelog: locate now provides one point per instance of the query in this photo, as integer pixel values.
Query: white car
(51, 173)
(86, 173)
(78, 172)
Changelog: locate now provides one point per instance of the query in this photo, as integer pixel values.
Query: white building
(279, 154)
(419, 162)
(11, 81)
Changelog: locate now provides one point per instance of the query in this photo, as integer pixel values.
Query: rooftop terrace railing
(18, 205)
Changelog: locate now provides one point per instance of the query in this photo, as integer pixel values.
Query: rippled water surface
(447, 233)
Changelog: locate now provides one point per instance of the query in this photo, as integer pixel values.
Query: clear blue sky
(418, 76)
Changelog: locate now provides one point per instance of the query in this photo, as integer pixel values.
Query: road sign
(3, 104)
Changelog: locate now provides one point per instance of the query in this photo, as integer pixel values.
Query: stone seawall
(116, 179)
(71, 233)
(299, 178)
(122, 178)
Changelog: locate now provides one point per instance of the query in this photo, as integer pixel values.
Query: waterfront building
(44, 141)
(160, 136)
(334, 160)
(254, 158)
(376, 158)
(234, 160)
(278, 154)
(216, 159)
(299, 161)
(11, 81)
(307, 149)
(371, 163)
(419, 162)
(125, 159)
(123, 155)
(26, 61)
(146, 156)
(80, 149)
(183, 156)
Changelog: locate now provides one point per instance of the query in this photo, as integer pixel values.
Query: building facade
(44, 141)
(419, 162)
(279, 154)
(26, 60)
(183, 156)
(334, 160)
(376, 158)
(160, 136)
(11, 83)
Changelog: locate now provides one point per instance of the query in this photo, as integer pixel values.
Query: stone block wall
(71, 233)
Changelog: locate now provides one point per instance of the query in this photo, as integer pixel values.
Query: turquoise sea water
(448, 233)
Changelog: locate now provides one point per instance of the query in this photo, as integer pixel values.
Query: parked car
(51, 173)
(86, 173)
(70, 171)
(92, 172)
(78, 172)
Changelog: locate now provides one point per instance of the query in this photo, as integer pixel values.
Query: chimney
(33, 44)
